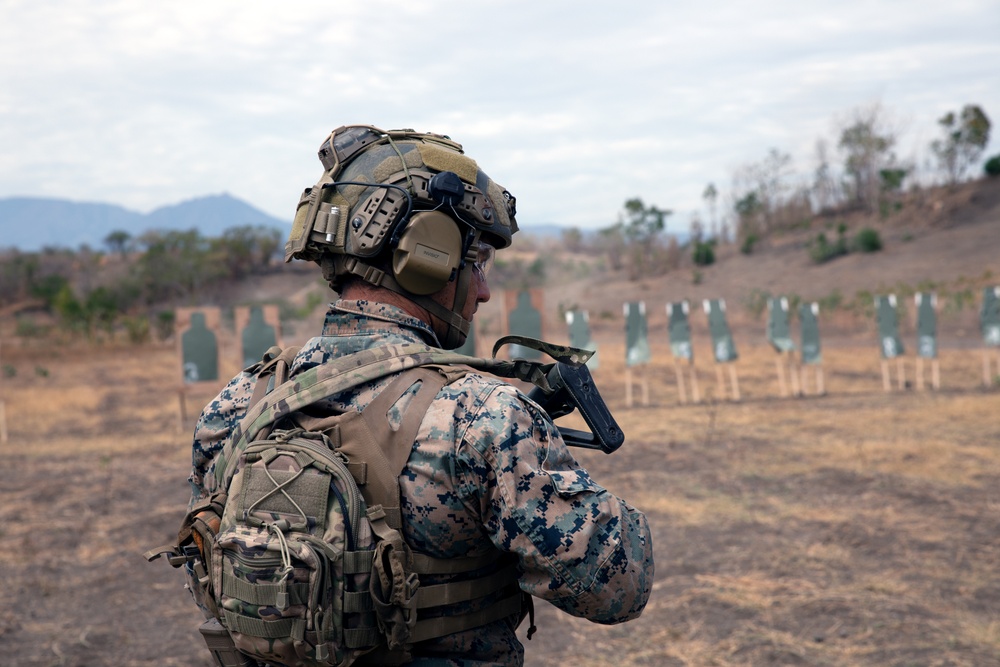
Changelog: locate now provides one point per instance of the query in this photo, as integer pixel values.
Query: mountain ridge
(32, 223)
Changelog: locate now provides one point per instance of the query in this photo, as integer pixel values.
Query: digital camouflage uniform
(488, 471)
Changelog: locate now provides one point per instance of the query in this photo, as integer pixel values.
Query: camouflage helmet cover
(342, 215)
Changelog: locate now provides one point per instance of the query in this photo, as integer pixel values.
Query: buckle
(373, 275)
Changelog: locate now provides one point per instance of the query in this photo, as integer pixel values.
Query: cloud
(575, 107)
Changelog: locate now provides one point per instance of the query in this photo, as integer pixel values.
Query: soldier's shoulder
(486, 390)
(482, 406)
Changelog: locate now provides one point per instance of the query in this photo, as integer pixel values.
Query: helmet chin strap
(457, 326)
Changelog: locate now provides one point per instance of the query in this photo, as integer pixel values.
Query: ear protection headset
(428, 253)
(401, 210)
(430, 247)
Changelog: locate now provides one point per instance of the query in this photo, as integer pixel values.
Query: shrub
(992, 166)
(866, 240)
(748, 243)
(164, 324)
(28, 328)
(831, 301)
(703, 254)
(756, 302)
(137, 327)
(821, 250)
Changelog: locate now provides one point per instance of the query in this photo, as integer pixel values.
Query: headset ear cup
(428, 252)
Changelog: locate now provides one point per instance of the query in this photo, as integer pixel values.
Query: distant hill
(555, 231)
(32, 223)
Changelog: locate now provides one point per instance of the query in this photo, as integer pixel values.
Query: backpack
(299, 557)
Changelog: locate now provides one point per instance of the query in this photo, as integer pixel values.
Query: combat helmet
(404, 210)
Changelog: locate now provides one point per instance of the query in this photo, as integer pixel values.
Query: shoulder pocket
(572, 482)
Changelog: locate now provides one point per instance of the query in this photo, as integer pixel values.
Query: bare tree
(711, 196)
(572, 239)
(696, 229)
(867, 140)
(761, 190)
(635, 237)
(826, 191)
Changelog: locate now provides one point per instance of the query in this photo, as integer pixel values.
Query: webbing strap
(263, 594)
(358, 602)
(363, 637)
(436, 595)
(385, 279)
(386, 451)
(257, 627)
(275, 363)
(423, 564)
(358, 562)
(445, 625)
(349, 371)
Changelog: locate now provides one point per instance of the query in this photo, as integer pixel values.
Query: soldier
(405, 227)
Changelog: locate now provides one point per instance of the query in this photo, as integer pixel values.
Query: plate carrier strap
(377, 455)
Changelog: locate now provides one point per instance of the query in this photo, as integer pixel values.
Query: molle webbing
(273, 371)
(351, 371)
(385, 455)
(377, 455)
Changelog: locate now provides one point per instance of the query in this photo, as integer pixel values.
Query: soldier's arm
(214, 425)
(580, 547)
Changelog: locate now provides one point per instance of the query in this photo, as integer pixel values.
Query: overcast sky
(574, 106)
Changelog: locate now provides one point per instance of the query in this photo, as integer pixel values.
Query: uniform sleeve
(216, 422)
(580, 547)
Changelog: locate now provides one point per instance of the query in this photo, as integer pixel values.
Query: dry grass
(856, 528)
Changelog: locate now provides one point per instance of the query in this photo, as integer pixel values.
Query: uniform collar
(349, 317)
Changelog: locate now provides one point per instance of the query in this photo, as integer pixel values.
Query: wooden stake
(886, 379)
(628, 386)
(920, 373)
(736, 384)
(680, 382)
(720, 381)
(182, 396)
(901, 372)
(793, 373)
(935, 374)
(694, 384)
(820, 387)
(779, 361)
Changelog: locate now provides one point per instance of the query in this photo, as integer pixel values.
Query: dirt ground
(861, 527)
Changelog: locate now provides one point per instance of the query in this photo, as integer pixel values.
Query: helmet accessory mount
(403, 210)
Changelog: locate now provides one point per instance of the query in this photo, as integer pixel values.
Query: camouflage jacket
(488, 471)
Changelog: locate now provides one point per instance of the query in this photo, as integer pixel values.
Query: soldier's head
(408, 212)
